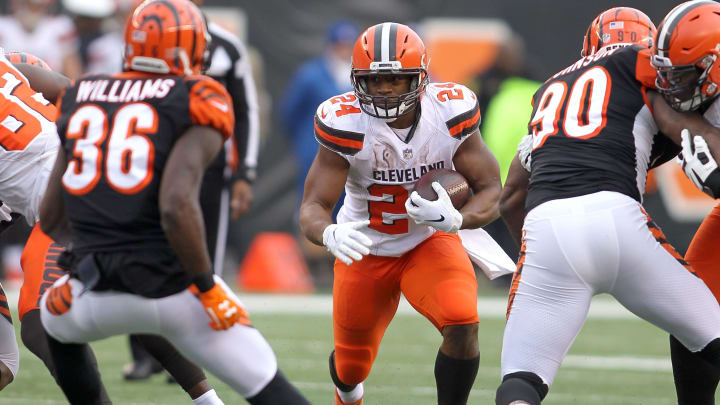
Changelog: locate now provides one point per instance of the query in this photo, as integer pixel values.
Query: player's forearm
(512, 210)
(314, 218)
(512, 199)
(185, 231)
(482, 208)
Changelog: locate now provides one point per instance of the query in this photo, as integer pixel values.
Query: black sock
(695, 378)
(76, 372)
(454, 378)
(279, 391)
(186, 373)
(36, 340)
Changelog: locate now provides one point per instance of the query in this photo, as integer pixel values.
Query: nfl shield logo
(407, 153)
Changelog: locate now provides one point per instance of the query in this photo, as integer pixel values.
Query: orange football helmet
(685, 55)
(24, 57)
(166, 36)
(618, 26)
(389, 49)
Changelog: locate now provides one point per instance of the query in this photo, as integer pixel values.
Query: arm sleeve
(211, 105)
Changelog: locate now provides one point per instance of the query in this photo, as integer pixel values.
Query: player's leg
(439, 281)
(143, 364)
(39, 264)
(190, 377)
(695, 379)
(365, 297)
(9, 355)
(569, 249)
(660, 287)
(239, 356)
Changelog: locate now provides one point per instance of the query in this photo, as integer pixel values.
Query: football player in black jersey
(125, 186)
(585, 232)
(686, 57)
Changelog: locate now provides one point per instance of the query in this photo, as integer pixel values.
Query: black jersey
(117, 132)
(592, 128)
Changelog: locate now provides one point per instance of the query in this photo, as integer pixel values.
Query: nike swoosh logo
(442, 218)
(323, 114)
(220, 106)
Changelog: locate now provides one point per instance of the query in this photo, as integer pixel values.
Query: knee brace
(521, 386)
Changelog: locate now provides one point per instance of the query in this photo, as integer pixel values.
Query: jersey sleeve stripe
(465, 123)
(338, 140)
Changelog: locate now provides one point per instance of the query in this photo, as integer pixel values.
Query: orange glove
(222, 308)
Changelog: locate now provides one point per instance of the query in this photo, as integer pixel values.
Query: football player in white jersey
(686, 57)
(376, 142)
(583, 237)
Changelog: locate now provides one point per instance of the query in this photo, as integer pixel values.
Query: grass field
(616, 360)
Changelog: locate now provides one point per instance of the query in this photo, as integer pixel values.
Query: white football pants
(9, 353)
(239, 356)
(599, 243)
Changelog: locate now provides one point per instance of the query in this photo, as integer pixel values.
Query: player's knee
(521, 388)
(460, 341)
(711, 352)
(349, 367)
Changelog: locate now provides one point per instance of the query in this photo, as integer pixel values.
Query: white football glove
(698, 164)
(524, 151)
(345, 242)
(440, 214)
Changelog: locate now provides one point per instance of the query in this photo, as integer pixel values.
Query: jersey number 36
(128, 164)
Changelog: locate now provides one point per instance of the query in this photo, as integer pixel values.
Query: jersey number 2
(128, 165)
(585, 108)
(393, 203)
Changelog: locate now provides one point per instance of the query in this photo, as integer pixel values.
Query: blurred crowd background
(300, 55)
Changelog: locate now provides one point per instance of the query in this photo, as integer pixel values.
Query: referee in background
(226, 189)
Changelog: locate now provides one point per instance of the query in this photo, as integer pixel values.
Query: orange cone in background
(274, 263)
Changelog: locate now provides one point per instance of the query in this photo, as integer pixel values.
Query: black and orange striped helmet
(686, 55)
(24, 57)
(618, 26)
(392, 49)
(166, 36)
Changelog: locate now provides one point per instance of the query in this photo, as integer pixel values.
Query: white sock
(349, 397)
(208, 398)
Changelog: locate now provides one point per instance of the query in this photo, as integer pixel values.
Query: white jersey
(712, 114)
(384, 167)
(28, 143)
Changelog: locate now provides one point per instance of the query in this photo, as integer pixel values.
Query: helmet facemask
(388, 107)
(685, 87)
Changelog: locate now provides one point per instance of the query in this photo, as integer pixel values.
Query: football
(453, 182)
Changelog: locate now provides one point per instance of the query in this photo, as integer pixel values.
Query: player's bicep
(671, 123)
(326, 178)
(474, 160)
(52, 207)
(47, 82)
(513, 197)
(185, 166)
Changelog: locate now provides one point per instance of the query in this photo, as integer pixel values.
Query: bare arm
(512, 200)
(47, 82)
(672, 122)
(475, 161)
(53, 219)
(323, 186)
(180, 212)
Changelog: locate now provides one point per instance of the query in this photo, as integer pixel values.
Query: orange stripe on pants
(39, 264)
